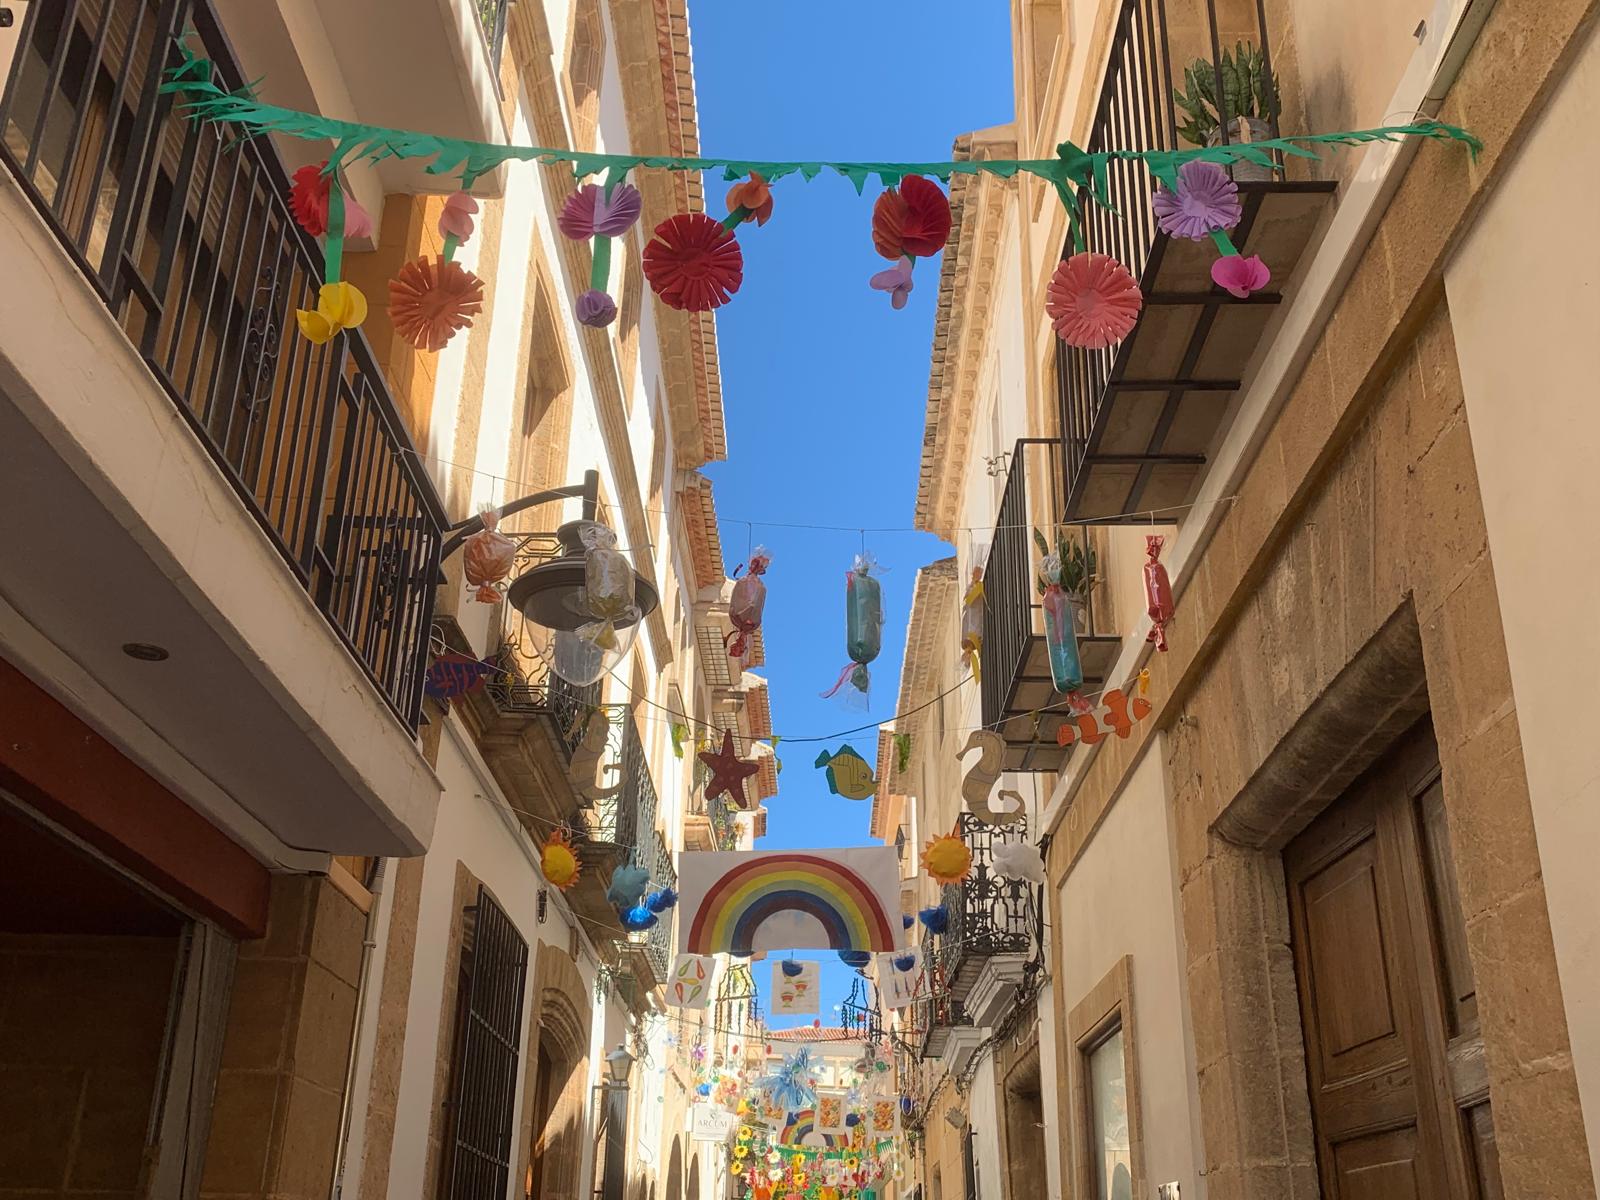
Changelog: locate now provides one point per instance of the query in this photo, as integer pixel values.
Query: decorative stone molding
(995, 988)
(959, 1047)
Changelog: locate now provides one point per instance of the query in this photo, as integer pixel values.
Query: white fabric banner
(794, 987)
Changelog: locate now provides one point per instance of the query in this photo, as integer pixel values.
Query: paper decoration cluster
(1157, 591)
(794, 987)
(741, 902)
(848, 773)
(1117, 713)
(487, 558)
(947, 859)
(601, 214)
(863, 611)
(728, 772)
(746, 604)
(689, 985)
(983, 775)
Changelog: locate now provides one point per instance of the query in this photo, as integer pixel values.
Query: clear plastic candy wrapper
(863, 609)
(746, 604)
(1061, 640)
(607, 587)
(487, 558)
(972, 624)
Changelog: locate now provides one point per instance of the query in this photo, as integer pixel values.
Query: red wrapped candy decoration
(693, 263)
(487, 558)
(1157, 592)
(913, 219)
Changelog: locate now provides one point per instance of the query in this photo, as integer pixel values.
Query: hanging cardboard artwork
(832, 1106)
(794, 987)
(689, 985)
(899, 977)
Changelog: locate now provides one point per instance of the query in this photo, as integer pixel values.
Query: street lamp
(619, 1064)
(614, 1122)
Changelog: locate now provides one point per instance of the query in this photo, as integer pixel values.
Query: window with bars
(483, 1055)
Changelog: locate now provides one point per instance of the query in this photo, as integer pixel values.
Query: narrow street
(681, 600)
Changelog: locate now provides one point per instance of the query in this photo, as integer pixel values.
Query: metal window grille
(492, 17)
(484, 1092)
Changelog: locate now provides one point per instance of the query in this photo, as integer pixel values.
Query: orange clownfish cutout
(1120, 713)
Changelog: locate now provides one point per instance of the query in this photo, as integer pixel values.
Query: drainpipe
(369, 943)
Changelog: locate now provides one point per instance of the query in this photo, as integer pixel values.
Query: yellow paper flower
(339, 306)
(947, 859)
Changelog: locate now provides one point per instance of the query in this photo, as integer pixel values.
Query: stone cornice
(697, 506)
(961, 326)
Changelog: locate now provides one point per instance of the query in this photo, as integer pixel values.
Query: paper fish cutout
(982, 777)
(1018, 860)
(848, 774)
(451, 675)
(1120, 713)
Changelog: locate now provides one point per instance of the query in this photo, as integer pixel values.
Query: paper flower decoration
(1093, 301)
(907, 920)
(487, 558)
(755, 196)
(309, 196)
(558, 861)
(912, 219)
(896, 281)
(693, 263)
(595, 309)
(855, 958)
(1018, 860)
(1207, 200)
(627, 887)
(430, 302)
(589, 212)
(660, 902)
(935, 919)
(947, 859)
(339, 306)
(1240, 276)
(456, 219)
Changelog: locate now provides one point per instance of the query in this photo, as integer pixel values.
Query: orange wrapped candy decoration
(430, 302)
(487, 558)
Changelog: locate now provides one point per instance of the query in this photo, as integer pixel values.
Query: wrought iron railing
(492, 19)
(184, 229)
(988, 915)
(653, 855)
(1013, 615)
(1138, 110)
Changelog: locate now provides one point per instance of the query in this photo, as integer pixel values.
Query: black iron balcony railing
(185, 231)
(1018, 697)
(492, 18)
(988, 915)
(1137, 418)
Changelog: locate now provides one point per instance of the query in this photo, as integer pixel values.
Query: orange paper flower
(1093, 301)
(754, 194)
(912, 219)
(429, 302)
(693, 263)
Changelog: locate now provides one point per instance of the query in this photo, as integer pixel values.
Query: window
(1105, 1090)
(1110, 1156)
(586, 47)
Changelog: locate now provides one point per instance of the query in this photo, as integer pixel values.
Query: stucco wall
(1527, 313)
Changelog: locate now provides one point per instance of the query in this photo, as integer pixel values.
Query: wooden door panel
(1350, 981)
(1378, 1166)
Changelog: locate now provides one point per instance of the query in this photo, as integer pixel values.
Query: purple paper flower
(896, 281)
(596, 309)
(1239, 275)
(589, 211)
(1207, 200)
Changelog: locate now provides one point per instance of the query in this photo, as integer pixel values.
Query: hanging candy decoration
(909, 222)
(947, 858)
(607, 587)
(1060, 632)
(1157, 591)
(487, 558)
(601, 213)
(972, 625)
(863, 608)
(558, 861)
(693, 261)
(1093, 301)
(747, 602)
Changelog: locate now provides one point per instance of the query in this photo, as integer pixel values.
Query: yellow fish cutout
(848, 774)
(339, 306)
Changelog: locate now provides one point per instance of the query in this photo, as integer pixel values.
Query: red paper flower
(1093, 301)
(308, 201)
(429, 302)
(755, 194)
(912, 219)
(693, 263)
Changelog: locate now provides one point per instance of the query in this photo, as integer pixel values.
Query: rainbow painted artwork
(800, 1129)
(744, 902)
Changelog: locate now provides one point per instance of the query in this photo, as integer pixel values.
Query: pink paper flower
(1207, 199)
(595, 309)
(1093, 301)
(1240, 275)
(357, 220)
(896, 281)
(456, 219)
(589, 211)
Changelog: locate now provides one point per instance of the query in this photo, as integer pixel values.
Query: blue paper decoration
(855, 958)
(936, 919)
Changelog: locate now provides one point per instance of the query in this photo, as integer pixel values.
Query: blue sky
(823, 383)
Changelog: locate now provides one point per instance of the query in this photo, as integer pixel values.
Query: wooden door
(1394, 1056)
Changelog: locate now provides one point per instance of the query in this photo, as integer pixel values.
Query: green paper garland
(1072, 172)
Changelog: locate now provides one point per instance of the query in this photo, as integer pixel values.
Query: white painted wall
(1122, 899)
(1526, 311)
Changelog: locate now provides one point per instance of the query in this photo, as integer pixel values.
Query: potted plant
(1073, 566)
(1250, 95)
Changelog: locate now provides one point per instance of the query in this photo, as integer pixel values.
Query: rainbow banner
(740, 902)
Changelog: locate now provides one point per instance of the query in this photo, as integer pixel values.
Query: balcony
(185, 472)
(1139, 419)
(1018, 697)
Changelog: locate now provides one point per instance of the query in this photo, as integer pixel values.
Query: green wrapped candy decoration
(863, 613)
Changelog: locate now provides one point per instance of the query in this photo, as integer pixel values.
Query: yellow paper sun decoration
(559, 861)
(947, 859)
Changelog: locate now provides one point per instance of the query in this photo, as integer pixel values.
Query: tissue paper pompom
(693, 263)
(595, 309)
(1207, 200)
(589, 211)
(1240, 276)
(429, 302)
(1093, 301)
(912, 219)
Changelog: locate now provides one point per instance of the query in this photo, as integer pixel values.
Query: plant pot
(1079, 604)
(1245, 129)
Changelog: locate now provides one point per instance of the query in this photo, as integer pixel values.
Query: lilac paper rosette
(589, 212)
(595, 309)
(1207, 200)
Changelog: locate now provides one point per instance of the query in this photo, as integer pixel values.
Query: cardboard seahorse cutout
(583, 770)
(984, 774)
